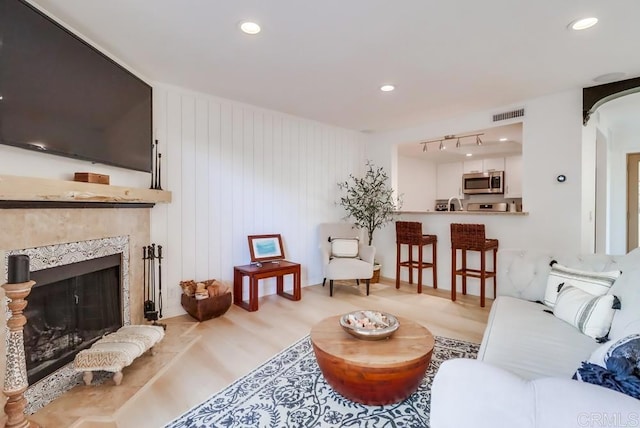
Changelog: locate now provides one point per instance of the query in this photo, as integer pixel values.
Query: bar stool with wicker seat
(410, 233)
(471, 237)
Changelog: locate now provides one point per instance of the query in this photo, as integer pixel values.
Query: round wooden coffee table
(373, 372)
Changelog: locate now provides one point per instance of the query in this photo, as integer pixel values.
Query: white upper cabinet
(513, 177)
(471, 166)
(449, 180)
(483, 165)
(493, 164)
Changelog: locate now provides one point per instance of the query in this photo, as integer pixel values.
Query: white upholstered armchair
(342, 257)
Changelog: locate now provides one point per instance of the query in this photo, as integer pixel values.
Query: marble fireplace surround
(109, 229)
(57, 383)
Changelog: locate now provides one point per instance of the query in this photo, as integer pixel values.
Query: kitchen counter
(510, 229)
(464, 213)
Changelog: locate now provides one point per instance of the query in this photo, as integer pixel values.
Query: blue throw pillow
(622, 368)
(628, 348)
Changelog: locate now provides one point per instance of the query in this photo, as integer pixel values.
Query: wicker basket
(206, 309)
(376, 275)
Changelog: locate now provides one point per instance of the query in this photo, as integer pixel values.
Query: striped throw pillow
(590, 314)
(596, 283)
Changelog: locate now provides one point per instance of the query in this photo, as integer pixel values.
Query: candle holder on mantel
(15, 381)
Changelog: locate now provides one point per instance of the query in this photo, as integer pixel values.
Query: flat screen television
(59, 95)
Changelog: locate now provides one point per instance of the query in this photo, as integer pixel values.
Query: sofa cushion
(521, 337)
(596, 283)
(468, 393)
(590, 314)
(348, 268)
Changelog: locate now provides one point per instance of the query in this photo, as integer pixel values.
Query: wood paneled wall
(237, 170)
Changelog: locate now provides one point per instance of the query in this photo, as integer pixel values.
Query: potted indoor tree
(369, 202)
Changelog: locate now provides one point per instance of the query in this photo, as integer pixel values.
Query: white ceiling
(325, 60)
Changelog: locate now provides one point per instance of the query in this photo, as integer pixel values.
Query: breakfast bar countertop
(520, 213)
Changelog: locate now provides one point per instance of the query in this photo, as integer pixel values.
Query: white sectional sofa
(522, 377)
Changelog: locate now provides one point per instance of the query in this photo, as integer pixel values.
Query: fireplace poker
(144, 276)
(160, 279)
(150, 312)
(152, 267)
(148, 304)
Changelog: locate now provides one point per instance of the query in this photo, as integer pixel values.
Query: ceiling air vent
(508, 115)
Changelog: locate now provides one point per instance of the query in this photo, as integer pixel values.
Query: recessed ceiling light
(469, 155)
(387, 88)
(583, 24)
(504, 139)
(609, 77)
(249, 27)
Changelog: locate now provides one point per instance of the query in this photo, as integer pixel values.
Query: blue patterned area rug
(290, 391)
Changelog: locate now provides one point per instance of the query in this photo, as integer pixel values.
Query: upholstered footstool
(117, 350)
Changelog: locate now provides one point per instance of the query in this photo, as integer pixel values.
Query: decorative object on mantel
(155, 174)
(150, 254)
(15, 382)
(90, 177)
(205, 299)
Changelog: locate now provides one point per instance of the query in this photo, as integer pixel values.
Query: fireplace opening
(69, 308)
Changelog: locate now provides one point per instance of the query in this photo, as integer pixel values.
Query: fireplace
(108, 259)
(70, 307)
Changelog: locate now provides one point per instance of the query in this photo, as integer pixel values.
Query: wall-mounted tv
(59, 95)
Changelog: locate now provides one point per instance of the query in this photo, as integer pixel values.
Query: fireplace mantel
(31, 189)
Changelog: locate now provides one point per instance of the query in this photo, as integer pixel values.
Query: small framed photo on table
(265, 248)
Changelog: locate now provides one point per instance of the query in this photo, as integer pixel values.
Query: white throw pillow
(592, 315)
(596, 283)
(344, 247)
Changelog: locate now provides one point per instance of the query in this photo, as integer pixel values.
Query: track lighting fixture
(458, 139)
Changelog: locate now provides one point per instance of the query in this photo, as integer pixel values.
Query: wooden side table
(267, 270)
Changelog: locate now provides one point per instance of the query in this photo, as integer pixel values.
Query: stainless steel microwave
(483, 183)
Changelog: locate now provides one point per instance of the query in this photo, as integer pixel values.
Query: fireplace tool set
(156, 158)
(151, 254)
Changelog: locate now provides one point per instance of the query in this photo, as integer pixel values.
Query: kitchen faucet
(459, 203)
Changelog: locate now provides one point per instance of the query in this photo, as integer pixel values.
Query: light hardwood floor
(196, 360)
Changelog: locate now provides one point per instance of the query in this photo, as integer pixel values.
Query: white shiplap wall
(237, 170)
